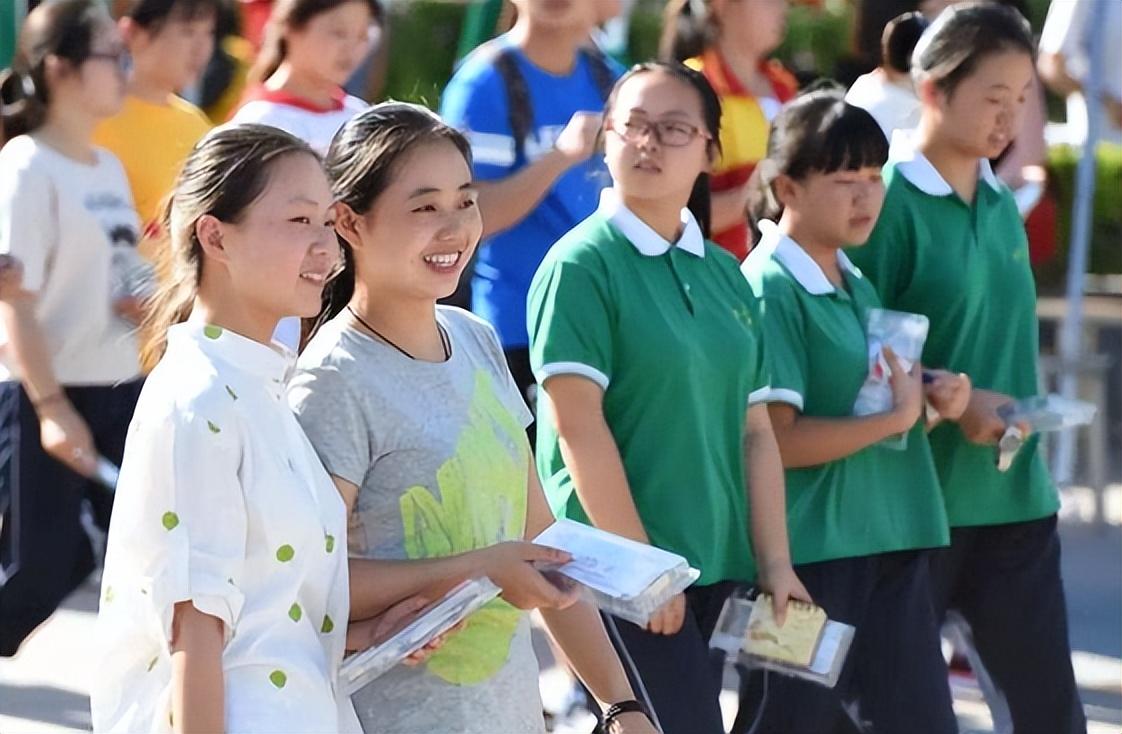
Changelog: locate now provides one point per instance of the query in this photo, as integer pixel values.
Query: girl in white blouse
(225, 596)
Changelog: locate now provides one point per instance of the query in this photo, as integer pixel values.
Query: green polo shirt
(671, 333)
(966, 267)
(878, 499)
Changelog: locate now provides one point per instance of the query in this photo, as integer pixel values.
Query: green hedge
(1106, 223)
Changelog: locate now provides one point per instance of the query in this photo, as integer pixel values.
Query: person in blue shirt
(530, 104)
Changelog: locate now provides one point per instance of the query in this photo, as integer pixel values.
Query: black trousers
(894, 680)
(44, 551)
(1005, 581)
(681, 676)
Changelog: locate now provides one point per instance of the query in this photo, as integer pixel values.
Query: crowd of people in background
(347, 355)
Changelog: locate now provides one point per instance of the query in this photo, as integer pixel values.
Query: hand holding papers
(628, 579)
(455, 606)
(807, 646)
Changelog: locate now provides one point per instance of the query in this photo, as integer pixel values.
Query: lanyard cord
(445, 341)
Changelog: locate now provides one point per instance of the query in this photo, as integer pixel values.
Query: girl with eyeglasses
(647, 342)
(69, 370)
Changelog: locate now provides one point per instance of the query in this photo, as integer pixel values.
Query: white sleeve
(1064, 27)
(181, 478)
(28, 222)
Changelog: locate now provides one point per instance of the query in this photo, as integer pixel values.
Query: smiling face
(982, 114)
(282, 248)
(649, 110)
(332, 44)
(419, 234)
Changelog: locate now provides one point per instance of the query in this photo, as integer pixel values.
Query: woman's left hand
(632, 722)
(779, 580)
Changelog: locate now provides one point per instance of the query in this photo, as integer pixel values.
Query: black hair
(64, 29)
(817, 132)
(699, 202)
(963, 36)
(288, 15)
(364, 157)
(227, 171)
(688, 28)
(151, 15)
(899, 40)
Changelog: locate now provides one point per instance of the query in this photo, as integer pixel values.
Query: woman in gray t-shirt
(414, 413)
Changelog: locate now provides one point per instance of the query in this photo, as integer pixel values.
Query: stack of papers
(455, 606)
(628, 579)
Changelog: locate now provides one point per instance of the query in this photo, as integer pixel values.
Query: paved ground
(44, 688)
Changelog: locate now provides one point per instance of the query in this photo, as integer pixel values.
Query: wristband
(624, 707)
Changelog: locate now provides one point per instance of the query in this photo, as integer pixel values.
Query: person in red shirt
(729, 42)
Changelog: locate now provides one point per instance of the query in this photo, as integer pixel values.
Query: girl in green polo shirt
(861, 514)
(646, 340)
(950, 244)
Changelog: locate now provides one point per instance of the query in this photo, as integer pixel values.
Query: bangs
(847, 139)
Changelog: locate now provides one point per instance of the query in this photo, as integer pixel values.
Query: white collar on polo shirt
(646, 240)
(794, 258)
(915, 167)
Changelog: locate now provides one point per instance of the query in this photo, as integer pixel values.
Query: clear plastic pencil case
(905, 333)
(628, 579)
(1042, 414)
(455, 606)
(731, 636)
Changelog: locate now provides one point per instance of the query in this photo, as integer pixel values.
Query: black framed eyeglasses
(671, 133)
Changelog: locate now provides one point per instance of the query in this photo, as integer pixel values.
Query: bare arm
(505, 202)
(767, 498)
(578, 630)
(810, 440)
(591, 455)
(376, 585)
(198, 694)
(63, 432)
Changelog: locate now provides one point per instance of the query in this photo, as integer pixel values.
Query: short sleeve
(332, 419)
(28, 221)
(511, 395)
(475, 103)
(1063, 27)
(887, 259)
(761, 382)
(569, 319)
(181, 483)
(785, 336)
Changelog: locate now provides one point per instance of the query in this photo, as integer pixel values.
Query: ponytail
(23, 107)
(700, 205)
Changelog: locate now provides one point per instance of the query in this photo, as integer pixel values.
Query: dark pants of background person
(44, 551)
(1005, 581)
(681, 676)
(894, 680)
(518, 360)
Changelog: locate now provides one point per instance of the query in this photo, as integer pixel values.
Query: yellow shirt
(152, 141)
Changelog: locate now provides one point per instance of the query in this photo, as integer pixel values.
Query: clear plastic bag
(628, 579)
(131, 276)
(905, 333)
(730, 635)
(1048, 413)
(361, 668)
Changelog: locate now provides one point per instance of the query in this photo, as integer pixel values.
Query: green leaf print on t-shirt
(482, 490)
